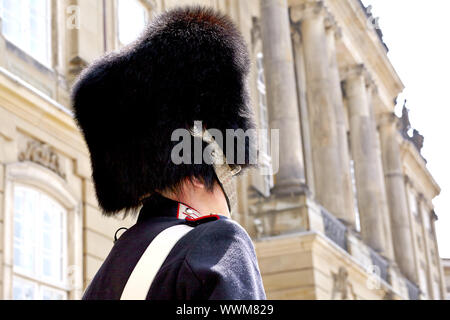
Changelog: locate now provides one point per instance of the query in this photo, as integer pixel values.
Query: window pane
(413, 203)
(26, 23)
(52, 239)
(11, 18)
(39, 240)
(23, 289)
(52, 294)
(25, 202)
(132, 20)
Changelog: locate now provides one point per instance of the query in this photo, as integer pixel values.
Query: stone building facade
(346, 215)
(446, 266)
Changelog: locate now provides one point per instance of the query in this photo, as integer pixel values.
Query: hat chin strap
(223, 171)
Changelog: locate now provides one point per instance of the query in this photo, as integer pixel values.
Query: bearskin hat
(190, 63)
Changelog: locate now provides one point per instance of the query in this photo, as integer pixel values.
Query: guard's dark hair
(191, 63)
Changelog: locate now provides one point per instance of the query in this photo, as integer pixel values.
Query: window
(39, 246)
(436, 289)
(355, 198)
(426, 221)
(132, 16)
(26, 23)
(413, 204)
(423, 278)
(264, 145)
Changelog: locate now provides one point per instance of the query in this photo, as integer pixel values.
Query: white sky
(417, 34)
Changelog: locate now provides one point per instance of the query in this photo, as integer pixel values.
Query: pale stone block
(361, 283)
(288, 280)
(282, 263)
(288, 221)
(90, 34)
(8, 150)
(97, 245)
(322, 294)
(359, 251)
(75, 182)
(2, 177)
(7, 125)
(284, 245)
(1, 264)
(315, 219)
(324, 280)
(89, 193)
(106, 226)
(2, 234)
(398, 284)
(83, 167)
(303, 293)
(2, 206)
(2, 282)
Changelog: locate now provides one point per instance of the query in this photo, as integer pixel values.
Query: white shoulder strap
(149, 264)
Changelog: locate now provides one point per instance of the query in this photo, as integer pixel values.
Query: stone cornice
(307, 9)
(415, 167)
(42, 154)
(332, 26)
(149, 4)
(358, 70)
(353, 71)
(386, 119)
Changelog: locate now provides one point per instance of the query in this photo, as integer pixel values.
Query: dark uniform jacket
(216, 260)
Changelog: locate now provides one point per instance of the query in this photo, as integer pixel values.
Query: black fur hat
(191, 63)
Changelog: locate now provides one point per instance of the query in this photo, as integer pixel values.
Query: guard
(189, 66)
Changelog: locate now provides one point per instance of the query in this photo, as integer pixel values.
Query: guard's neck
(196, 196)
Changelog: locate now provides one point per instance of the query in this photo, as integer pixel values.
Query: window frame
(413, 204)
(43, 180)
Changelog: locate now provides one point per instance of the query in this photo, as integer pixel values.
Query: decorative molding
(387, 119)
(259, 227)
(149, 4)
(389, 295)
(308, 9)
(44, 155)
(405, 126)
(256, 30)
(342, 287)
(359, 70)
(331, 25)
(296, 32)
(370, 83)
(434, 216)
(76, 65)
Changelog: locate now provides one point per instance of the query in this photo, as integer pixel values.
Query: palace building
(347, 212)
(446, 266)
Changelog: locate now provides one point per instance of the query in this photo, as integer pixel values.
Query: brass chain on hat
(222, 169)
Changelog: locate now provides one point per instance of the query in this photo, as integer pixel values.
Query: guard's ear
(197, 183)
